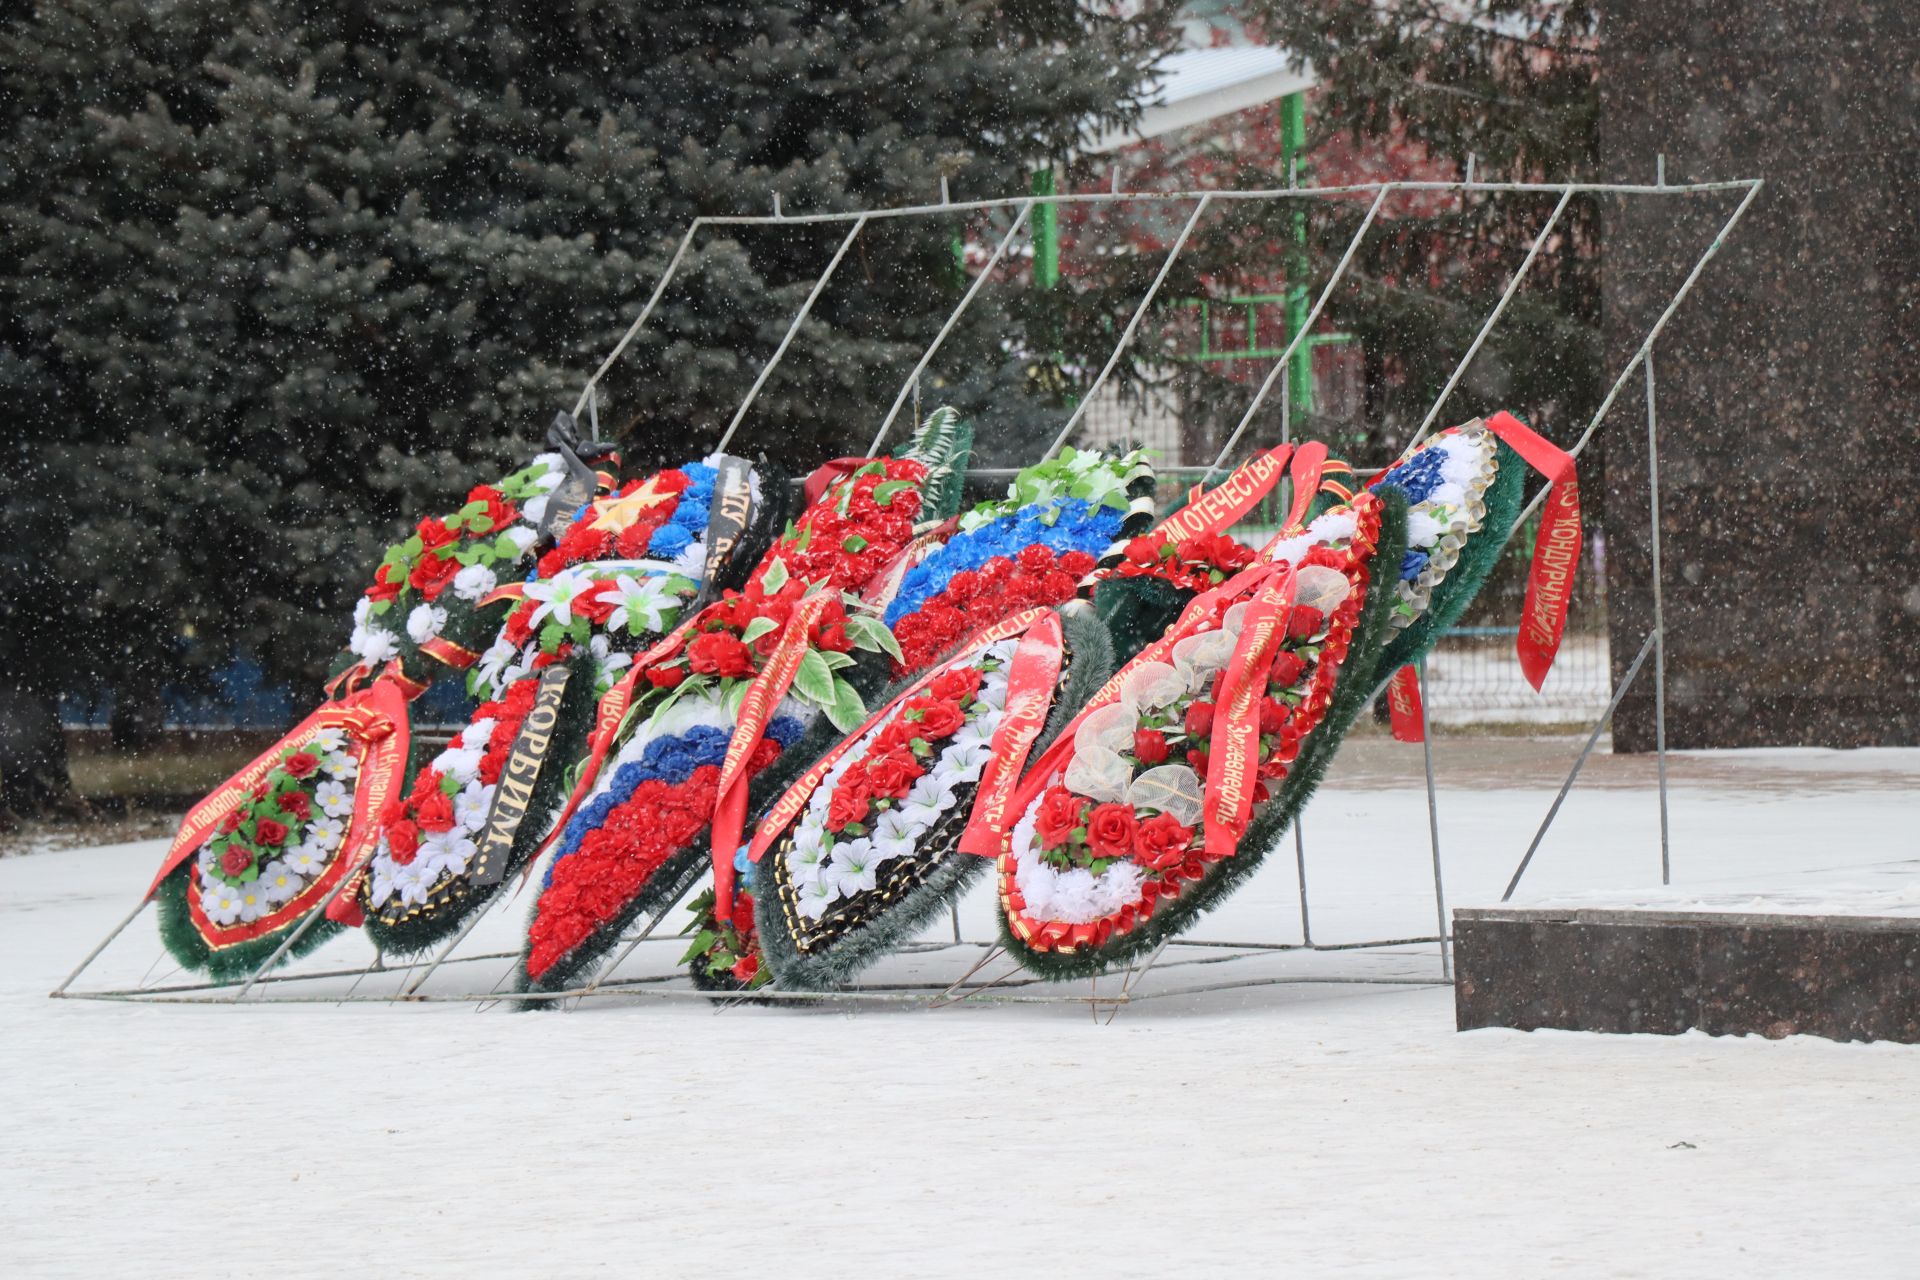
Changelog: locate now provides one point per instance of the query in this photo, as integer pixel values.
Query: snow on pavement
(1300, 1129)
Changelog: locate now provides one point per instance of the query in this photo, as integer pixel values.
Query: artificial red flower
(1197, 760)
(1199, 720)
(956, 684)
(1304, 621)
(236, 860)
(1143, 551)
(1077, 563)
(1286, 669)
(270, 833)
(718, 654)
(666, 677)
(1149, 746)
(230, 823)
(1161, 841)
(962, 585)
(499, 512)
(1034, 558)
(1110, 830)
(1273, 714)
(746, 967)
(296, 805)
(434, 534)
(385, 586)
(849, 805)
(403, 841)
(300, 764)
(1061, 812)
(743, 912)
(435, 813)
(432, 575)
(892, 774)
(939, 718)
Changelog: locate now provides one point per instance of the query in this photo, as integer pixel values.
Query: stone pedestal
(1842, 977)
(1788, 383)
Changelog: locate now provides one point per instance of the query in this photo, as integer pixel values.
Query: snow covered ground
(1299, 1129)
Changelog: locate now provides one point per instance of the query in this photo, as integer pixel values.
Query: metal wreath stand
(1390, 961)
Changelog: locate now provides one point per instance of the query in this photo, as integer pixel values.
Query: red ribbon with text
(1030, 683)
(1403, 706)
(1233, 756)
(1556, 550)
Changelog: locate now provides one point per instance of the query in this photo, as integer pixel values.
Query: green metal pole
(1293, 144)
(1046, 232)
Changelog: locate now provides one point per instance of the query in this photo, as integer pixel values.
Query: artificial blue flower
(1060, 525)
(668, 541)
(1417, 477)
(1411, 564)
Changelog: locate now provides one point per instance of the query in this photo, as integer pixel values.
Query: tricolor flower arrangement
(799, 614)
(424, 609)
(1033, 548)
(587, 615)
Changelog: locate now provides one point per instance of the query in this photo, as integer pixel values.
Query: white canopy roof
(1196, 85)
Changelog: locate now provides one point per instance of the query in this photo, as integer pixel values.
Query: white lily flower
(643, 600)
(470, 807)
(557, 594)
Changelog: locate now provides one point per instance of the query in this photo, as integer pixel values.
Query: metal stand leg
(1578, 763)
(1433, 835)
(299, 932)
(105, 942)
(1659, 621)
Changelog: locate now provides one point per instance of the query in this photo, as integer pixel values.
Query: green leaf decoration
(847, 711)
(449, 785)
(736, 695)
(815, 680)
(871, 634)
(775, 577)
(757, 628)
(853, 544)
(883, 493)
(550, 637)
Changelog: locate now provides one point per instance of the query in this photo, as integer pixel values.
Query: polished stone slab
(1726, 973)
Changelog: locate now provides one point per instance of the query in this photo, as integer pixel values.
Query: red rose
(745, 967)
(499, 512)
(261, 788)
(296, 805)
(718, 654)
(433, 533)
(1144, 552)
(1196, 550)
(230, 823)
(956, 684)
(384, 587)
(270, 833)
(666, 677)
(1060, 813)
(893, 773)
(432, 575)
(1110, 829)
(849, 805)
(1273, 714)
(236, 860)
(1149, 746)
(1304, 621)
(1286, 669)
(1161, 841)
(403, 841)
(300, 764)
(1077, 563)
(435, 813)
(938, 718)
(1199, 721)
(1197, 760)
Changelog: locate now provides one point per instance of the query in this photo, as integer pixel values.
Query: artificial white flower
(471, 805)
(641, 599)
(445, 851)
(412, 881)
(304, 859)
(533, 511)
(804, 862)
(608, 659)
(334, 799)
(220, 901)
(253, 902)
(493, 663)
(327, 741)
(814, 897)
(474, 582)
(339, 765)
(381, 886)
(479, 734)
(557, 594)
(424, 623)
(373, 645)
(280, 881)
(853, 867)
(325, 833)
(521, 536)
(462, 764)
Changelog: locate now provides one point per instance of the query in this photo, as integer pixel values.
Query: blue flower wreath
(1060, 525)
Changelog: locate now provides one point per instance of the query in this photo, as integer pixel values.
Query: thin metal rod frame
(1659, 622)
(1433, 832)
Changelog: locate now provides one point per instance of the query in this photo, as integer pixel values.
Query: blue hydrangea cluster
(1060, 525)
(669, 760)
(1417, 477)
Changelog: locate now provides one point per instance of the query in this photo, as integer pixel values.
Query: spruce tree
(272, 277)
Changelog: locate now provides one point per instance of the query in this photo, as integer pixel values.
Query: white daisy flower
(220, 901)
(304, 859)
(327, 741)
(280, 881)
(474, 582)
(325, 833)
(333, 798)
(339, 765)
(253, 902)
(424, 623)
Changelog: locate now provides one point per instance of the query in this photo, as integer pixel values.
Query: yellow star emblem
(618, 514)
